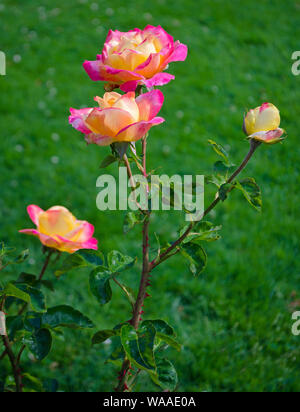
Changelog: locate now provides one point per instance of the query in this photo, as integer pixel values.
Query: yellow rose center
(132, 50)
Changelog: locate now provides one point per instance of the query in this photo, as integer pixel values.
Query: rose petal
(159, 80)
(136, 131)
(34, 212)
(82, 233)
(179, 54)
(150, 66)
(149, 104)
(99, 71)
(108, 122)
(127, 102)
(94, 138)
(78, 117)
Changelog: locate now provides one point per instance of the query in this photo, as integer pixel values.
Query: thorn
(125, 387)
(147, 295)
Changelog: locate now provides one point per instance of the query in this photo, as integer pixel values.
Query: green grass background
(234, 320)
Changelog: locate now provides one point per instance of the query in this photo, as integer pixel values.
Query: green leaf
(160, 326)
(166, 375)
(92, 257)
(31, 382)
(100, 285)
(13, 325)
(33, 321)
(130, 220)
(196, 256)
(203, 231)
(39, 343)
(48, 284)
(108, 161)
(37, 299)
(117, 262)
(26, 278)
(80, 259)
(164, 332)
(219, 150)
(216, 180)
(11, 290)
(251, 191)
(102, 336)
(224, 190)
(66, 316)
(118, 354)
(146, 338)
(221, 168)
(139, 349)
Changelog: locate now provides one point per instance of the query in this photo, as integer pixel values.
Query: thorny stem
(14, 364)
(132, 182)
(164, 256)
(144, 282)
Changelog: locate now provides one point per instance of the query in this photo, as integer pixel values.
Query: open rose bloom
(57, 228)
(137, 57)
(262, 124)
(119, 118)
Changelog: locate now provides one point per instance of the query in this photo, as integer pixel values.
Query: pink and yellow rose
(137, 57)
(119, 118)
(262, 124)
(57, 228)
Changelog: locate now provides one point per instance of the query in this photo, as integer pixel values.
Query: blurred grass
(234, 321)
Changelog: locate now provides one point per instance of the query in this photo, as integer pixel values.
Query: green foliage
(100, 284)
(166, 375)
(39, 343)
(130, 220)
(139, 346)
(117, 262)
(251, 191)
(202, 231)
(102, 336)
(64, 315)
(81, 259)
(196, 256)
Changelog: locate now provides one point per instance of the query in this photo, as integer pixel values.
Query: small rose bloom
(137, 57)
(57, 228)
(262, 124)
(119, 118)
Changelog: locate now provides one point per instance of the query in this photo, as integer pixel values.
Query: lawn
(235, 319)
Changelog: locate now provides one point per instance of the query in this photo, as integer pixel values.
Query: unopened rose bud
(262, 124)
